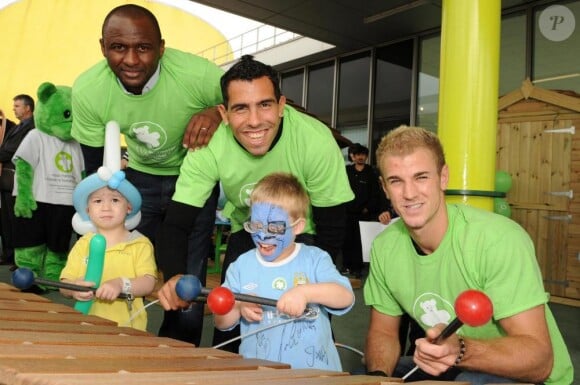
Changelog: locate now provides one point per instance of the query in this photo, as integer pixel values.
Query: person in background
(367, 205)
(164, 101)
(23, 108)
(296, 275)
(124, 159)
(259, 135)
(423, 262)
(5, 125)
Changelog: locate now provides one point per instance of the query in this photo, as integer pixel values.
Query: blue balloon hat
(104, 177)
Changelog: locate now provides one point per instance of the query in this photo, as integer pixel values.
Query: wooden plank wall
(540, 163)
(573, 252)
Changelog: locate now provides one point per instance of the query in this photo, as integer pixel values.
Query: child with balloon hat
(109, 206)
(297, 275)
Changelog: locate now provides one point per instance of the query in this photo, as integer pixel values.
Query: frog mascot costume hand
(49, 164)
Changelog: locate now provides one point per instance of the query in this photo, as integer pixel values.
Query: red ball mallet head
(473, 308)
(221, 300)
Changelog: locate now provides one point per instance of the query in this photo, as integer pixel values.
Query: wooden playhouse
(538, 145)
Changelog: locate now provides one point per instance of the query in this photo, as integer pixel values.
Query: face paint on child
(270, 245)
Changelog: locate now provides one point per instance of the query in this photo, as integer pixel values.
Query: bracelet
(377, 373)
(461, 351)
(127, 287)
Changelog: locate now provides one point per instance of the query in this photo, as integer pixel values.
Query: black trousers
(7, 223)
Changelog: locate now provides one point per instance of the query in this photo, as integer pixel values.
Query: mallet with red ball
(473, 308)
(220, 300)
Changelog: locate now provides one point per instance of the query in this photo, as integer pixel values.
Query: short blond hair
(284, 190)
(404, 140)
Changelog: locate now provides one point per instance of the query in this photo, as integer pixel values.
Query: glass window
(393, 88)
(321, 91)
(512, 67)
(556, 61)
(511, 73)
(428, 83)
(353, 97)
(292, 86)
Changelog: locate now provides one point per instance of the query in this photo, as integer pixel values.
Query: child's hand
(110, 290)
(385, 217)
(293, 302)
(252, 312)
(83, 295)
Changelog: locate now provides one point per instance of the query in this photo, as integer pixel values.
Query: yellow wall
(56, 40)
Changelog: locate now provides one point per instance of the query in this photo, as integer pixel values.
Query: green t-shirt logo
(431, 309)
(245, 192)
(63, 162)
(150, 135)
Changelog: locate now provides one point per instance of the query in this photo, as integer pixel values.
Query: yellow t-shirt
(130, 259)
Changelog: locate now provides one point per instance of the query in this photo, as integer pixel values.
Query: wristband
(377, 373)
(127, 287)
(461, 351)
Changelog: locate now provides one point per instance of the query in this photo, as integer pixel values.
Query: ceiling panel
(342, 22)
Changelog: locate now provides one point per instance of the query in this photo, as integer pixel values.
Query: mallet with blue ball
(220, 300)
(23, 279)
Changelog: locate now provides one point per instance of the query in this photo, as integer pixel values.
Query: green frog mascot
(49, 164)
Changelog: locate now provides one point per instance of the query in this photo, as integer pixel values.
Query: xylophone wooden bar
(259, 376)
(33, 306)
(26, 338)
(79, 328)
(52, 317)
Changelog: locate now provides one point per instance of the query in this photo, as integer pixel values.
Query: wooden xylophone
(45, 343)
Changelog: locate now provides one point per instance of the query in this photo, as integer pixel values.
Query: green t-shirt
(153, 123)
(481, 250)
(306, 149)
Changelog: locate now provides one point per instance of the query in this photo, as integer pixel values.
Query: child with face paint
(295, 274)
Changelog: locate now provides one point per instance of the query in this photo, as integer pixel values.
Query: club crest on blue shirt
(300, 279)
(279, 284)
